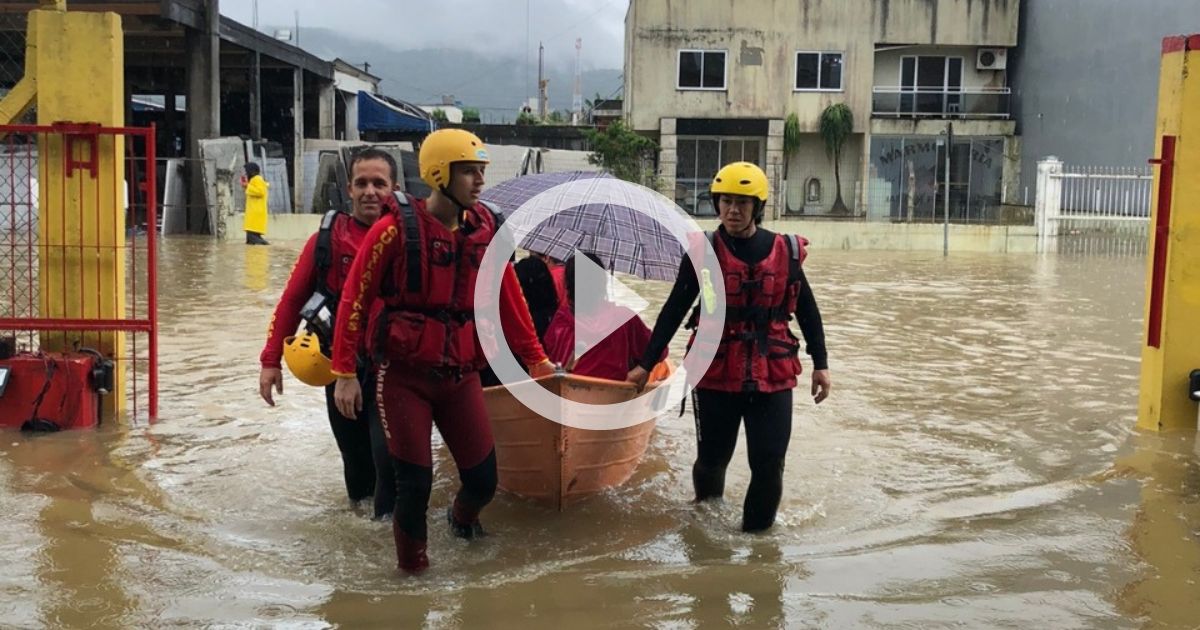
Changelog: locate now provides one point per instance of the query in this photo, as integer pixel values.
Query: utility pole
(577, 96)
(946, 194)
(542, 82)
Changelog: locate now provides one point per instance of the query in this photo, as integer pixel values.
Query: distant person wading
(255, 221)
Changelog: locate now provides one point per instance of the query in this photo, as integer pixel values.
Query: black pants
(414, 483)
(768, 420)
(254, 238)
(365, 462)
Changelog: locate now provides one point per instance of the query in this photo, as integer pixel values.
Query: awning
(380, 113)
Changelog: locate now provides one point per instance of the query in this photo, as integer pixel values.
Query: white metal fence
(1093, 210)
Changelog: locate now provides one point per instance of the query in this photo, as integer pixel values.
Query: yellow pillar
(1172, 348)
(81, 79)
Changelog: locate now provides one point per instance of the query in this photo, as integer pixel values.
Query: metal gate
(1093, 210)
(53, 289)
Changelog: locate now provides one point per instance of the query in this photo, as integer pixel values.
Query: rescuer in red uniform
(312, 295)
(421, 262)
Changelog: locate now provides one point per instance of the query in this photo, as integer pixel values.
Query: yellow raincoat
(256, 205)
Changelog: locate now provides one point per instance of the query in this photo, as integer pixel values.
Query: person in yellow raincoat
(255, 223)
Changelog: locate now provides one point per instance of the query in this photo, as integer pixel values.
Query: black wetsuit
(365, 462)
(768, 416)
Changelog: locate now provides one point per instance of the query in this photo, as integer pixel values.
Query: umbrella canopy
(624, 239)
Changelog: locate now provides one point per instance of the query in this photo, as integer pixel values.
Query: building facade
(349, 80)
(714, 82)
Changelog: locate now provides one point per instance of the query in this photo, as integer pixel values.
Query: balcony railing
(908, 102)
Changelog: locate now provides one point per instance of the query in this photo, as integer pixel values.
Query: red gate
(73, 248)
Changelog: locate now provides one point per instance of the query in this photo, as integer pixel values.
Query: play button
(605, 303)
(602, 304)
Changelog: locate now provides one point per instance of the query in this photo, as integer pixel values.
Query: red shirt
(613, 357)
(363, 284)
(303, 282)
(559, 273)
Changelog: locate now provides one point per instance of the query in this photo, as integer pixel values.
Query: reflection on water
(975, 467)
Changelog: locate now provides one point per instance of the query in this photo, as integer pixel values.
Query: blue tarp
(380, 113)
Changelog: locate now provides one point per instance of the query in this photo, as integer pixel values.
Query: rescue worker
(421, 261)
(312, 293)
(756, 365)
(255, 221)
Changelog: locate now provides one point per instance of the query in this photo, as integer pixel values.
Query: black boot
(465, 529)
(709, 481)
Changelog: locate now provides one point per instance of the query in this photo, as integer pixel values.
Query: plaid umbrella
(624, 239)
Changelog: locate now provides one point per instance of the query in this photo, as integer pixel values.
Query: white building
(714, 81)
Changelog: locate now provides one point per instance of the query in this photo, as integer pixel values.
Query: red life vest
(758, 352)
(429, 291)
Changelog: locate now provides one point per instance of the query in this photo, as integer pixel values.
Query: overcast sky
(481, 25)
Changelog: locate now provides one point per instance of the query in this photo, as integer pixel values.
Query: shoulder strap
(795, 251)
(497, 215)
(324, 250)
(412, 243)
(498, 222)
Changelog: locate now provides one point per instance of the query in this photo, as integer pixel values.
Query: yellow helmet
(444, 147)
(302, 354)
(740, 178)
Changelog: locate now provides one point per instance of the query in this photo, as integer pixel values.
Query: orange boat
(556, 464)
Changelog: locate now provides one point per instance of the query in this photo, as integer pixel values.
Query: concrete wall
(811, 161)
(857, 235)
(349, 83)
(854, 235)
(1085, 83)
(280, 227)
(761, 44)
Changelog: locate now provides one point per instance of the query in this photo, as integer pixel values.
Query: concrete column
(203, 106)
(256, 96)
(774, 168)
(667, 157)
(327, 112)
(81, 211)
(1171, 350)
(1010, 176)
(1048, 203)
(170, 122)
(297, 137)
(352, 118)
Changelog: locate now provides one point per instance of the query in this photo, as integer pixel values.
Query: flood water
(975, 467)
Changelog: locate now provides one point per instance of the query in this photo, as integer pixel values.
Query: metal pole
(152, 266)
(946, 193)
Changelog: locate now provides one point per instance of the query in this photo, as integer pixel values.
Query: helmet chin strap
(462, 209)
(446, 194)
